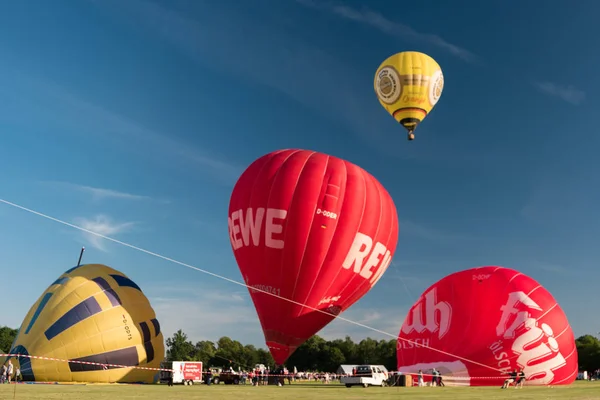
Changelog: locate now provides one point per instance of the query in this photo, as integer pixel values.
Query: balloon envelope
(91, 313)
(312, 228)
(497, 318)
(408, 85)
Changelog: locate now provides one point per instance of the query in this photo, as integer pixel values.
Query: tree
(307, 357)
(348, 348)
(588, 352)
(316, 354)
(264, 357)
(205, 351)
(179, 348)
(331, 358)
(386, 353)
(229, 353)
(7, 337)
(249, 356)
(367, 351)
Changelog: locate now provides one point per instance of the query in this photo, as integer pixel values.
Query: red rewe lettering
(250, 225)
(363, 257)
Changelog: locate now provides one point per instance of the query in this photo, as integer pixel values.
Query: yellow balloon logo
(408, 85)
(388, 85)
(99, 320)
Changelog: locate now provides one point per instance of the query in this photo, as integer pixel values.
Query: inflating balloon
(489, 321)
(408, 85)
(91, 313)
(311, 228)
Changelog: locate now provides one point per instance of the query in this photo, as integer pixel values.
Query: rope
(397, 337)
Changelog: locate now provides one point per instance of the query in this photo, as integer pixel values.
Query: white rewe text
(249, 225)
(363, 258)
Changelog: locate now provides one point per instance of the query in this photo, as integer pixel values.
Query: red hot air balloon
(487, 322)
(314, 229)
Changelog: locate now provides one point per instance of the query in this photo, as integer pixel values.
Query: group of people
(591, 376)
(436, 378)
(516, 377)
(260, 377)
(9, 374)
(257, 376)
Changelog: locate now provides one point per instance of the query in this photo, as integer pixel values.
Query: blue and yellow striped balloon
(91, 313)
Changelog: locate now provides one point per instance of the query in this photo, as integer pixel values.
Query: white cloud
(568, 93)
(59, 105)
(206, 314)
(434, 235)
(391, 28)
(99, 193)
(386, 319)
(210, 313)
(319, 84)
(102, 225)
(548, 267)
(411, 286)
(555, 200)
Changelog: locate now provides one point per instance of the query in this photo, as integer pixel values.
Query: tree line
(316, 354)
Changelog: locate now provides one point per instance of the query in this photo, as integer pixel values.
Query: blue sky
(134, 119)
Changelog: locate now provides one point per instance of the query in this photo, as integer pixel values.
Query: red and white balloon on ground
(487, 322)
(311, 228)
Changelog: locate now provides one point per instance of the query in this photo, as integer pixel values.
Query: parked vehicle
(366, 375)
(228, 377)
(185, 372)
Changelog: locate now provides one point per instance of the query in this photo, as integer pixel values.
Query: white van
(366, 375)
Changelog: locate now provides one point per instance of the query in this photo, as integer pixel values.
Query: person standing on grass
(434, 376)
(9, 371)
(439, 379)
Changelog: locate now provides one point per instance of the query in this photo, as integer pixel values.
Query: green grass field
(577, 391)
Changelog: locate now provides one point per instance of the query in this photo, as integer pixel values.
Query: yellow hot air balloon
(91, 313)
(408, 85)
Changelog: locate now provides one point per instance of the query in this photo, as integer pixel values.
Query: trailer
(185, 372)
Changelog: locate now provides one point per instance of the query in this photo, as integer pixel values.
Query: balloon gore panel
(314, 229)
(480, 324)
(90, 314)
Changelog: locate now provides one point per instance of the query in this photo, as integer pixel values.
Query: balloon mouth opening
(280, 352)
(410, 124)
